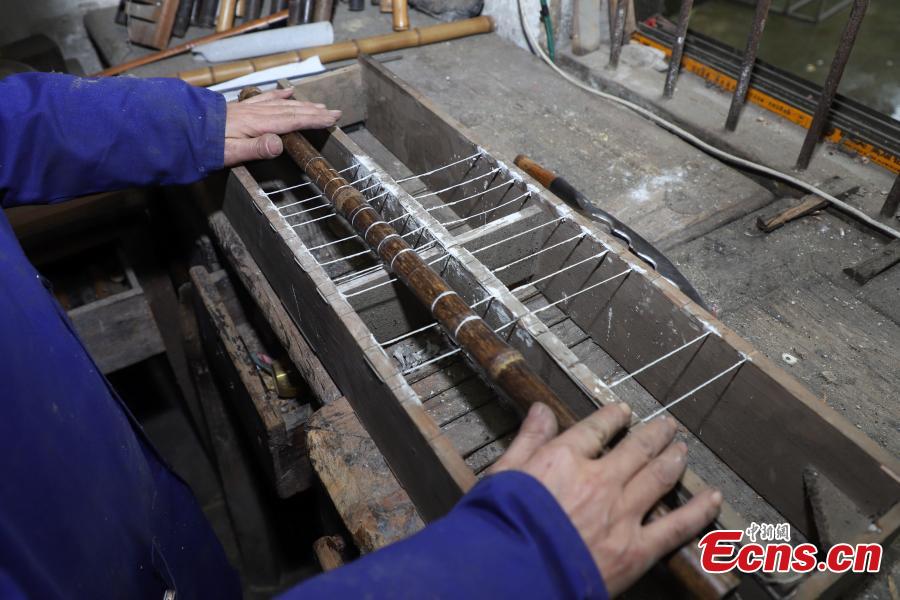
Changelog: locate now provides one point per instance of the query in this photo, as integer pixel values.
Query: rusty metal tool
(637, 244)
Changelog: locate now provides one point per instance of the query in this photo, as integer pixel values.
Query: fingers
(656, 479)
(242, 150)
(279, 115)
(270, 95)
(538, 428)
(283, 119)
(640, 447)
(671, 531)
(591, 434)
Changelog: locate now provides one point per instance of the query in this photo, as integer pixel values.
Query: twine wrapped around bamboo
(349, 49)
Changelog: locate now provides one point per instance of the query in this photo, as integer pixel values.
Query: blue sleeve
(63, 136)
(507, 538)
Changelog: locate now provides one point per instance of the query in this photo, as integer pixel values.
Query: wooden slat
(398, 424)
(299, 350)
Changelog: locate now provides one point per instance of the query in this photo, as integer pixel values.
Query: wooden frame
(761, 422)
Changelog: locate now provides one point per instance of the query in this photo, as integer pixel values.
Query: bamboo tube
(401, 14)
(502, 364)
(322, 10)
(225, 20)
(341, 50)
(386, 6)
(240, 9)
(185, 47)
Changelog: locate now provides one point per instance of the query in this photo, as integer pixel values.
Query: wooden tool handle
(544, 176)
(503, 365)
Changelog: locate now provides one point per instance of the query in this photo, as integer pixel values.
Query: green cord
(548, 25)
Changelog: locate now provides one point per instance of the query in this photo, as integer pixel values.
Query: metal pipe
(820, 117)
(892, 202)
(678, 48)
(743, 84)
(618, 37)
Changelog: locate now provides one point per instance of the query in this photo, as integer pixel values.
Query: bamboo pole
(225, 20)
(501, 363)
(400, 8)
(345, 50)
(185, 47)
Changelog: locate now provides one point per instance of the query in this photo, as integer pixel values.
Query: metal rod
(841, 56)
(618, 37)
(678, 48)
(743, 83)
(889, 209)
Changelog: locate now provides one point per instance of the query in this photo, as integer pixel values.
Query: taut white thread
(666, 407)
(657, 361)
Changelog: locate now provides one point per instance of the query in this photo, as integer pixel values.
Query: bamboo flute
(345, 50)
(502, 364)
(182, 48)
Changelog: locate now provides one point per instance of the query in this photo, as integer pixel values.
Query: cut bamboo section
(341, 50)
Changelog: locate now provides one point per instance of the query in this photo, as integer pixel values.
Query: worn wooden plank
(883, 260)
(127, 316)
(369, 498)
(257, 546)
(302, 355)
(276, 426)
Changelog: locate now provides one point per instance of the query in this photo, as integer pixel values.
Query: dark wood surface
(373, 505)
(276, 425)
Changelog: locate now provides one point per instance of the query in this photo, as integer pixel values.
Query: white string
(666, 407)
(520, 234)
(293, 187)
(433, 171)
(484, 212)
(513, 322)
(447, 189)
(657, 361)
(488, 298)
(541, 251)
(579, 292)
(311, 198)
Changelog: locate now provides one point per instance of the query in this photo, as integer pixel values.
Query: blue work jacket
(88, 509)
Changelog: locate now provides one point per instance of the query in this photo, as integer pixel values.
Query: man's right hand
(608, 498)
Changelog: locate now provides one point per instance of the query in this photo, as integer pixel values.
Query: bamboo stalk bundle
(345, 50)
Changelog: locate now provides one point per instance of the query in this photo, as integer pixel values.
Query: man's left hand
(252, 127)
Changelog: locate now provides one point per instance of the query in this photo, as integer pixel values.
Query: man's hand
(607, 498)
(252, 126)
